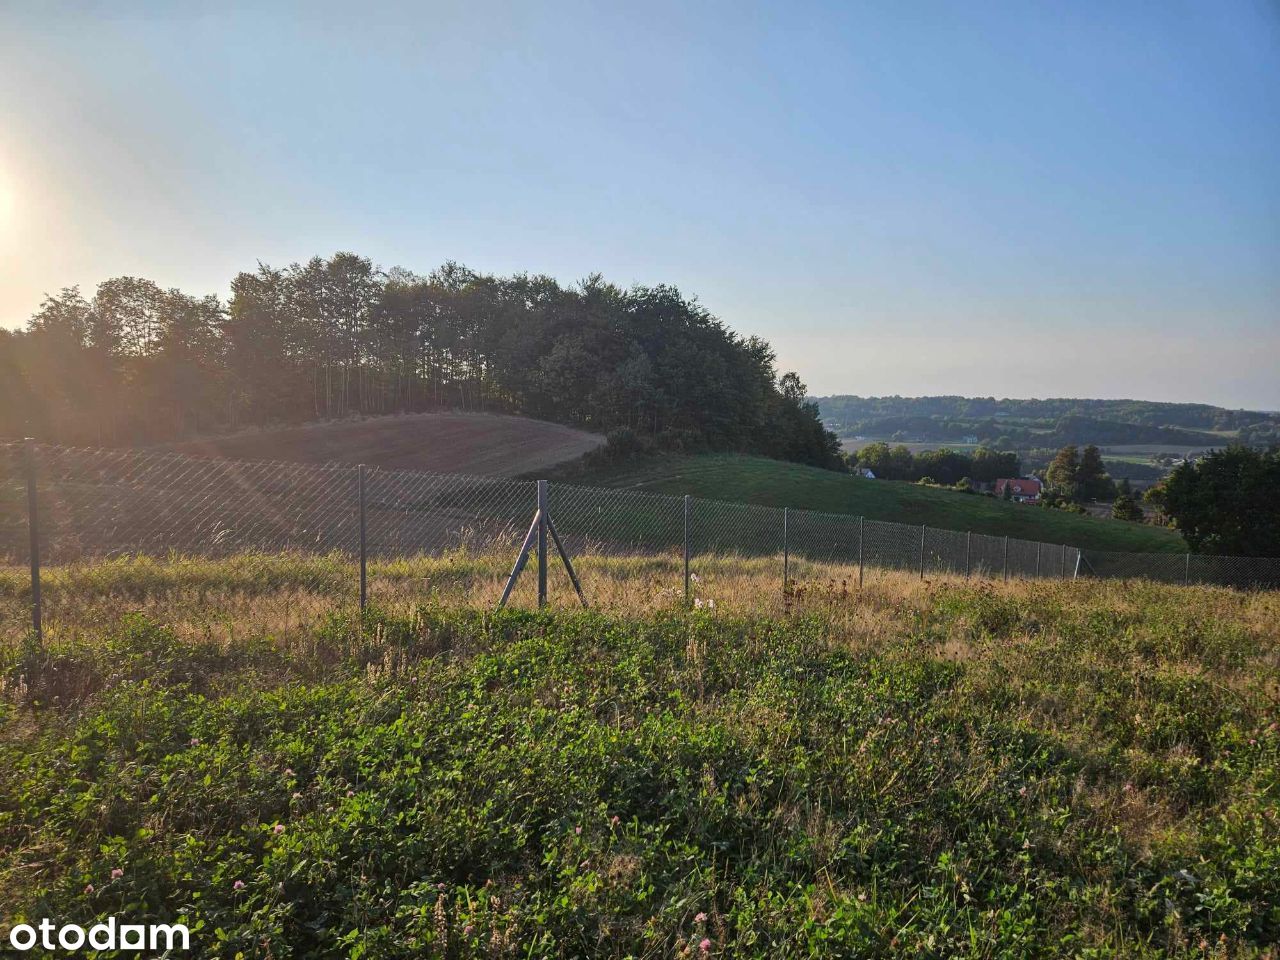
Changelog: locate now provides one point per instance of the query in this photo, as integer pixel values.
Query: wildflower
(863, 896)
(296, 795)
(351, 793)
(117, 873)
(577, 830)
(440, 886)
(697, 602)
(695, 578)
(1022, 791)
(88, 889)
(238, 885)
(194, 742)
(705, 945)
(614, 820)
(468, 930)
(711, 604)
(700, 918)
(288, 771)
(278, 829)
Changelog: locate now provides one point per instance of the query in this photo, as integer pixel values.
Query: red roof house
(1021, 489)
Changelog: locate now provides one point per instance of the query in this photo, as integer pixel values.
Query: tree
(944, 466)
(1124, 507)
(1225, 503)
(1092, 478)
(335, 336)
(989, 466)
(1063, 475)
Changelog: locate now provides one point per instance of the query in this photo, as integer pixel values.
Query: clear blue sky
(1018, 199)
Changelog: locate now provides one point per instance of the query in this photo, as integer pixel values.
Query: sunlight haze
(1012, 200)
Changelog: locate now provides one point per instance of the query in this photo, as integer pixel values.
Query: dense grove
(913, 770)
(331, 338)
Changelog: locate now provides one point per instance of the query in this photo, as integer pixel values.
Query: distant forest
(1045, 423)
(334, 337)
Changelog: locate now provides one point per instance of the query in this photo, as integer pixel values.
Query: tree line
(943, 466)
(336, 337)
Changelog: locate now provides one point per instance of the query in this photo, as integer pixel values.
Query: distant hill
(476, 443)
(780, 484)
(1039, 424)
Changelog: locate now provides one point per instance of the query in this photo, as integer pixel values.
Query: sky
(993, 199)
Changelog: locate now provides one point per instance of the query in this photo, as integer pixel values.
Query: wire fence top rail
(95, 504)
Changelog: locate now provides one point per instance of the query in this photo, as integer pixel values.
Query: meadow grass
(775, 483)
(931, 767)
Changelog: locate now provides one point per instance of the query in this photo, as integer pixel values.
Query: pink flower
(88, 889)
(1022, 791)
(288, 771)
(440, 886)
(577, 830)
(705, 945)
(238, 885)
(195, 741)
(467, 930)
(700, 918)
(351, 793)
(278, 829)
(615, 820)
(117, 873)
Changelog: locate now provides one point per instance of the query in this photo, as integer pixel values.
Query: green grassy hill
(779, 484)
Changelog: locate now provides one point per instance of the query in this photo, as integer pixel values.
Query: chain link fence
(225, 545)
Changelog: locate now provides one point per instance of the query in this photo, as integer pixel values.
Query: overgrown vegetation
(918, 769)
(334, 337)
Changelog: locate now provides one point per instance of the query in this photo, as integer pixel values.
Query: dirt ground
(483, 444)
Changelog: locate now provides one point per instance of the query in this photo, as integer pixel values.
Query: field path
(484, 444)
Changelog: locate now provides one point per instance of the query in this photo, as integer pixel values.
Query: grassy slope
(1020, 770)
(779, 484)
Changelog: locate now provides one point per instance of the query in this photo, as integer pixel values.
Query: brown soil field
(482, 444)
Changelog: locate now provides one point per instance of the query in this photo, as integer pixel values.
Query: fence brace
(541, 526)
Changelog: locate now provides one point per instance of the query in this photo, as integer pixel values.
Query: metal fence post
(1186, 577)
(1038, 546)
(1005, 561)
(542, 543)
(1062, 566)
(687, 500)
(364, 552)
(924, 532)
(33, 529)
(968, 543)
(786, 552)
(861, 541)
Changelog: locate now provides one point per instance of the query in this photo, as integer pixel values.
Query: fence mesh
(208, 542)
